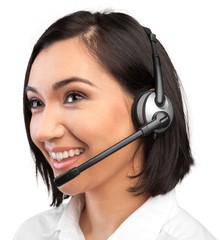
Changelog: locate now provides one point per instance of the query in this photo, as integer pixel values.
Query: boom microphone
(161, 120)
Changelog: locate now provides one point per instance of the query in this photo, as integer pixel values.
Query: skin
(91, 111)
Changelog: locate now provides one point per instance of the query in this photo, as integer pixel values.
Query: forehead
(64, 58)
(70, 59)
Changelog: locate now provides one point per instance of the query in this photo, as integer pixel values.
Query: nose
(47, 126)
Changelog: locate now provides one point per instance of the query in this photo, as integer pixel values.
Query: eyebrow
(63, 83)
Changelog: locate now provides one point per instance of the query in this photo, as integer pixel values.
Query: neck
(105, 211)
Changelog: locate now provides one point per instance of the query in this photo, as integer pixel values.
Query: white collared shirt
(159, 218)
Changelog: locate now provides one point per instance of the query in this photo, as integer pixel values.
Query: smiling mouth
(61, 156)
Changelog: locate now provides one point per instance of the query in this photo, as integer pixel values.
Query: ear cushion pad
(138, 112)
(144, 109)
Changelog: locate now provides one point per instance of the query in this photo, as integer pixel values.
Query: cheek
(33, 133)
(33, 125)
(103, 127)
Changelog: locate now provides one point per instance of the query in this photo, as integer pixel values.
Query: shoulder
(40, 224)
(181, 225)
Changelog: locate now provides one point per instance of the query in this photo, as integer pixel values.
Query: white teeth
(71, 153)
(77, 152)
(59, 156)
(65, 154)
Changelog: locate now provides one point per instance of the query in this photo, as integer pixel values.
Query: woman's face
(79, 110)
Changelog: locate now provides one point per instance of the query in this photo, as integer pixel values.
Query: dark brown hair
(121, 45)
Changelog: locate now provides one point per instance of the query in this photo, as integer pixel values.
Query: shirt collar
(69, 221)
(68, 225)
(146, 222)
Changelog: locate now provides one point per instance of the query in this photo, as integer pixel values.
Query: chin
(71, 188)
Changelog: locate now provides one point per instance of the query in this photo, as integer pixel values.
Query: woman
(81, 91)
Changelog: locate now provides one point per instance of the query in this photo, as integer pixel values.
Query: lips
(66, 159)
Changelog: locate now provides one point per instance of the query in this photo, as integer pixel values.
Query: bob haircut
(120, 44)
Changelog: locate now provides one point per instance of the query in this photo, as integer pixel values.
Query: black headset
(152, 112)
(149, 103)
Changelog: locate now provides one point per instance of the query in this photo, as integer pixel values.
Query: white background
(188, 29)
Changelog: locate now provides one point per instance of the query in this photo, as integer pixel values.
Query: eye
(73, 97)
(35, 104)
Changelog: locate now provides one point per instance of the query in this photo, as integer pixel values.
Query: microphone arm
(161, 120)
